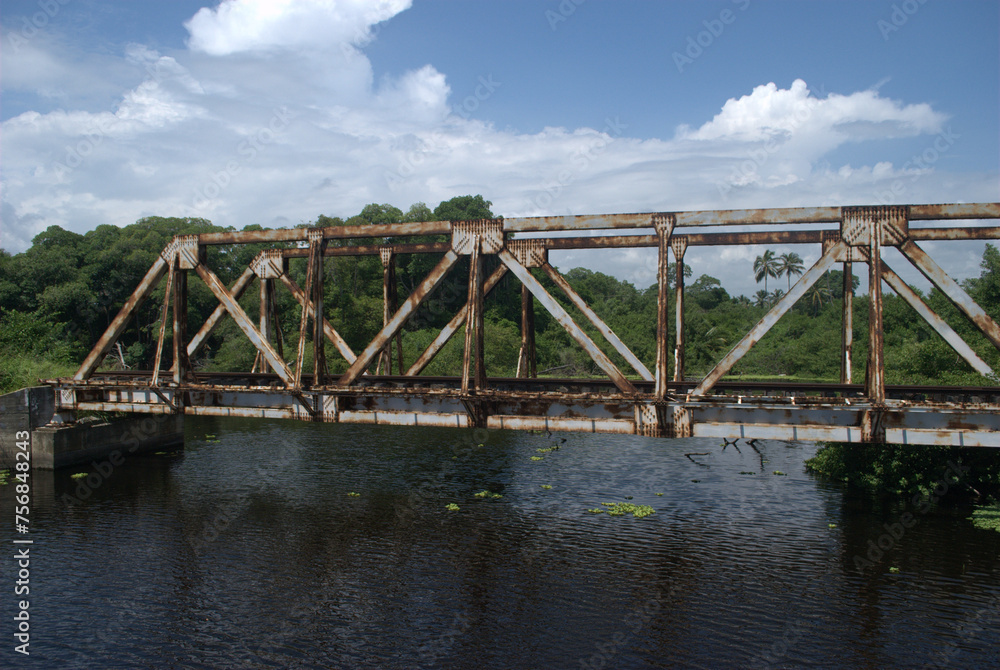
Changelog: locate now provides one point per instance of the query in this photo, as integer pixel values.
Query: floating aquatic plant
(537, 458)
(659, 494)
(596, 511)
(481, 494)
(546, 486)
(352, 494)
(452, 507)
(779, 472)
(894, 570)
(79, 475)
(623, 508)
(831, 525)
(987, 518)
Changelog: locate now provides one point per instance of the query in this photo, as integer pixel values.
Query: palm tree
(762, 298)
(818, 296)
(766, 266)
(776, 296)
(790, 264)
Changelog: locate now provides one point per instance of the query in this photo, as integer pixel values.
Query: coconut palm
(766, 266)
(762, 298)
(818, 296)
(790, 264)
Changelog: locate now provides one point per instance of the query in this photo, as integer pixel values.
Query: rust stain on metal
(654, 406)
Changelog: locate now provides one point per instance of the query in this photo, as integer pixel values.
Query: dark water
(247, 551)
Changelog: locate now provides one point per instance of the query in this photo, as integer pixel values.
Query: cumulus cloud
(253, 25)
(273, 116)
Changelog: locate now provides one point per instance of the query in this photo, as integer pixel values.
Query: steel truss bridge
(642, 401)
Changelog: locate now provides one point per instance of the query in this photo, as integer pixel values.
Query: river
(277, 544)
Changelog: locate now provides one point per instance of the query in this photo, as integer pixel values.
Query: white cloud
(253, 25)
(273, 116)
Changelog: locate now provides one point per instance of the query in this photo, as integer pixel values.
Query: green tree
(790, 264)
(464, 208)
(766, 265)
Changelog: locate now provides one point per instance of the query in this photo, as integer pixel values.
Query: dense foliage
(57, 298)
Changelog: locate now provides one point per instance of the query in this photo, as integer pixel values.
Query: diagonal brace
(117, 327)
(804, 283)
(328, 329)
(216, 286)
(950, 288)
(404, 312)
(953, 339)
(566, 321)
(596, 321)
(456, 322)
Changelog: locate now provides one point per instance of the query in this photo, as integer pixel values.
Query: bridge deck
(960, 416)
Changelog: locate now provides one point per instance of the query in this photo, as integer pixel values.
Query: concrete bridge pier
(53, 446)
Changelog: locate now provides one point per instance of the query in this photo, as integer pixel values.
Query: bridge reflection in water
(659, 403)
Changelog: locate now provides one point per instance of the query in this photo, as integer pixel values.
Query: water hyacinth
(623, 508)
(452, 507)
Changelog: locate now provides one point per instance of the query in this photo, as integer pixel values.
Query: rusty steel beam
(633, 241)
(847, 326)
(765, 324)
(266, 308)
(328, 329)
(238, 289)
(117, 326)
(875, 373)
(777, 216)
(472, 354)
(952, 290)
(163, 320)
(663, 232)
(596, 322)
(942, 328)
(402, 314)
(679, 246)
(975, 210)
(526, 357)
(956, 233)
(564, 319)
(319, 341)
(304, 320)
(232, 306)
(182, 366)
(452, 327)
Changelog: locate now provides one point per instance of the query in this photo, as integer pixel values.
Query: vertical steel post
(679, 245)
(304, 321)
(875, 379)
(664, 225)
(526, 359)
(847, 334)
(389, 306)
(265, 317)
(317, 247)
(474, 340)
(181, 363)
(163, 320)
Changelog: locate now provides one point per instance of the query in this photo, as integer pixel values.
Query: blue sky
(276, 112)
